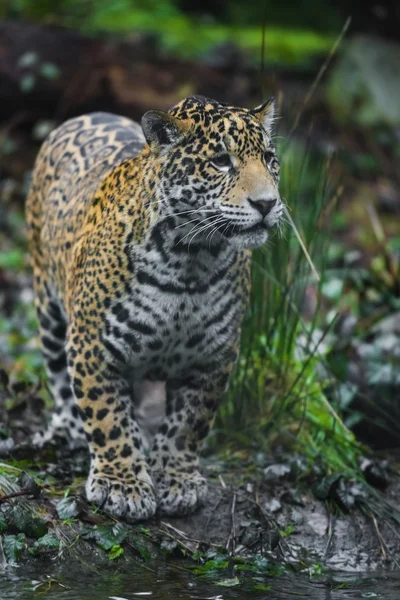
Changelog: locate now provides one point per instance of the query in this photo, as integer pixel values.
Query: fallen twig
(185, 536)
(232, 534)
(331, 525)
(16, 495)
(379, 536)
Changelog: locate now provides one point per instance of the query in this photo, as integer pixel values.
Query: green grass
(278, 394)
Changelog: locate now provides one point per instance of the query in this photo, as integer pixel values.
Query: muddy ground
(259, 507)
(278, 520)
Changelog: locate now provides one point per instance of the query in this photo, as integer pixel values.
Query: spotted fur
(141, 258)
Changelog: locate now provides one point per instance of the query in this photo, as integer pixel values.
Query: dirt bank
(252, 512)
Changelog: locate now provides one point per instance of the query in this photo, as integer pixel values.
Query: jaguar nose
(264, 207)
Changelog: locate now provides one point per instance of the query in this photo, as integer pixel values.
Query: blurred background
(320, 363)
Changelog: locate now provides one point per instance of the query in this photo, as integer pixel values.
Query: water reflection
(165, 581)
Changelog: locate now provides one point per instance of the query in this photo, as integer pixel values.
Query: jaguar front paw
(133, 500)
(179, 493)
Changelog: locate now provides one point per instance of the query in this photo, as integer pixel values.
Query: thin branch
(320, 74)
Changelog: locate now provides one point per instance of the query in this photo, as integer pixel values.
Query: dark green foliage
(22, 519)
(212, 565)
(108, 537)
(13, 546)
(47, 543)
(233, 571)
(290, 36)
(3, 523)
(143, 550)
(308, 13)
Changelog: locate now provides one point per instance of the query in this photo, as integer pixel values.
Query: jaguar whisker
(192, 221)
(193, 229)
(205, 227)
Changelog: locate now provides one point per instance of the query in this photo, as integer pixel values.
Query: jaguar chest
(162, 333)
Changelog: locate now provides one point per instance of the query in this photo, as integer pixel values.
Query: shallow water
(166, 581)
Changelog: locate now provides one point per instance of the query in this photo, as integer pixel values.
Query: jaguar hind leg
(65, 426)
(174, 458)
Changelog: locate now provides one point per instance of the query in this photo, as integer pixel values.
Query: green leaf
(46, 542)
(27, 522)
(13, 546)
(325, 488)
(108, 536)
(28, 59)
(67, 508)
(49, 71)
(3, 524)
(50, 585)
(333, 289)
(260, 587)
(316, 570)
(140, 548)
(27, 83)
(260, 565)
(228, 582)
(12, 259)
(144, 530)
(245, 567)
(115, 552)
(211, 565)
(287, 531)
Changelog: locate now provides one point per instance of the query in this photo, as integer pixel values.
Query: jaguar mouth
(235, 229)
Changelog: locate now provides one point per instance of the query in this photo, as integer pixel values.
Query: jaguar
(141, 240)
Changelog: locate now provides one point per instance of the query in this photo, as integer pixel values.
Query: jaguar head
(220, 171)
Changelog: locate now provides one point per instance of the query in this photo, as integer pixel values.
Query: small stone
(273, 505)
(275, 472)
(297, 517)
(388, 325)
(348, 325)
(6, 446)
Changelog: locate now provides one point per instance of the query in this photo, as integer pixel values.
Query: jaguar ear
(162, 130)
(265, 113)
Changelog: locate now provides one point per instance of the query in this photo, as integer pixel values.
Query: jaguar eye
(269, 157)
(222, 161)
